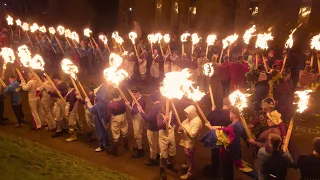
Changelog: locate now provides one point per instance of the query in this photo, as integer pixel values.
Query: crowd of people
(271, 105)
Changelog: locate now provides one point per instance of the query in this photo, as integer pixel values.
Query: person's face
(11, 80)
(136, 93)
(155, 51)
(271, 54)
(287, 77)
(231, 116)
(82, 43)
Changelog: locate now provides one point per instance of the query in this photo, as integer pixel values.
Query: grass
(23, 159)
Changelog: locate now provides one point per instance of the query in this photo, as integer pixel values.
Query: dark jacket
(309, 166)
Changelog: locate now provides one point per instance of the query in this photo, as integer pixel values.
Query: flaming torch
(10, 23)
(152, 40)
(33, 28)
(226, 43)
(302, 105)
(87, 32)
(288, 45)
(195, 40)
(183, 39)
(53, 32)
(8, 57)
(104, 39)
(210, 41)
(115, 75)
(239, 100)
(133, 36)
(25, 27)
(118, 39)
(159, 37)
(315, 44)
(248, 34)
(208, 71)
(166, 39)
(44, 30)
(67, 34)
(262, 43)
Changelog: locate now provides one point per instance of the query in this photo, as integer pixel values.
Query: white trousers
(153, 140)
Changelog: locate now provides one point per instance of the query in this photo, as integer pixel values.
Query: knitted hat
(268, 102)
(275, 117)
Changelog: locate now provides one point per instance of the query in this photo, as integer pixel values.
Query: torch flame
(238, 100)
(52, 30)
(166, 38)
(37, 62)
(248, 34)
(152, 38)
(195, 38)
(289, 42)
(103, 39)
(60, 30)
(75, 36)
(208, 69)
(115, 60)
(67, 33)
(211, 39)
(34, 27)
(18, 22)
(8, 56)
(184, 37)
(315, 42)
(229, 40)
(303, 100)
(262, 40)
(43, 29)
(25, 26)
(87, 32)
(113, 74)
(159, 37)
(25, 55)
(69, 68)
(9, 20)
(117, 38)
(133, 36)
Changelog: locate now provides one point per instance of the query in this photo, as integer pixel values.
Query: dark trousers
(215, 161)
(226, 87)
(226, 165)
(17, 109)
(1, 109)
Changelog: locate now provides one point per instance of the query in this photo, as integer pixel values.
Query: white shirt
(192, 128)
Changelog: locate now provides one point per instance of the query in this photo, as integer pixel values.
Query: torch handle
(182, 49)
(264, 63)
(55, 37)
(75, 86)
(221, 55)
(289, 132)
(94, 41)
(318, 60)
(161, 49)
(67, 41)
(3, 70)
(207, 50)
(122, 94)
(134, 99)
(135, 49)
(167, 113)
(211, 96)
(51, 45)
(246, 128)
(257, 61)
(37, 39)
(176, 113)
(169, 47)
(29, 39)
(123, 48)
(55, 88)
(82, 89)
(311, 61)
(20, 75)
(228, 52)
(36, 76)
(2, 83)
(91, 43)
(284, 63)
(204, 118)
(75, 46)
(108, 48)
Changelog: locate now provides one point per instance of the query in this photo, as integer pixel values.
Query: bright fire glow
(60, 30)
(104, 39)
(37, 62)
(117, 38)
(208, 69)
(195, 38)
(9, 20)
(315, 42)
(52, 30)
(238, 100)
(152, 38)
(8, 56)
(18, 22)
(69, 68)
(25, 55)
(133, 36)
(159, 37)
(75, 36)
(303, 100)
(211, 39)
(289, 42)
(248, 34)
(87, 32)
(113, 74)
(166, 38)
(229, 40)
(184, 37)
(67, 33)
(262, 40)
(25, 26)
(43, 29)
(34, 27)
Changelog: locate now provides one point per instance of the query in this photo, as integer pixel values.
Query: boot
(114, 150)
(73, 136)
(186, 177)
(139, 154)
(126, 143)
(56, 134)
(151, 162)
(163, 175)
(172, 168)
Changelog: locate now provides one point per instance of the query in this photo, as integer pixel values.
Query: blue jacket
(14, 94)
